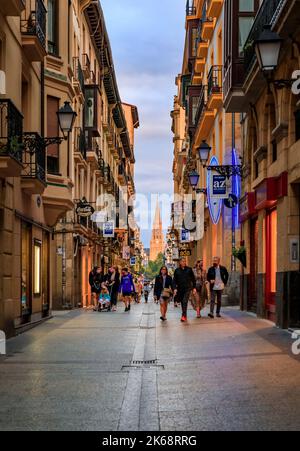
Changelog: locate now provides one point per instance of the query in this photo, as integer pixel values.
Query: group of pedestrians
(191, 284)
(108, 288)
(188, 284)
(105, 288)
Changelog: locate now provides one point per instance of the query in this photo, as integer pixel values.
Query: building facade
(270, 117)
(199, 116)
(53, 52)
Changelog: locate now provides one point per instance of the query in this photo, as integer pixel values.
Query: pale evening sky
(147, 39)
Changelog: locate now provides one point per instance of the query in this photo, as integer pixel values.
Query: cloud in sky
(147, 40)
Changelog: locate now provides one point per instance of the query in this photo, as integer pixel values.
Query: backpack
(127, 284)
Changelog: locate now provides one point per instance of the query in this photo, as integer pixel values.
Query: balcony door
(271, 264)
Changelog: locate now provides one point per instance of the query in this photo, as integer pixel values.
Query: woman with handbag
(199, 298)
(163, 291)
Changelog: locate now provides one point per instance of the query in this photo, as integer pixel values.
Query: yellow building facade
(270, 202)
(53, 52)
(199, 116)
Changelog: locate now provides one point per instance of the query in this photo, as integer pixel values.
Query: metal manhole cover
(143, 364)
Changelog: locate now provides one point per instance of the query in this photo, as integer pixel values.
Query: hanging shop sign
(133, 261)
(185, 253)
(219, 186)
(126, 252)
(231, 202)
(175, 254)
(109, 229)
(185, 236)
(214, 203)
(84, 209)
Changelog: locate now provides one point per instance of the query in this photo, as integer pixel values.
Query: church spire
(157, 240)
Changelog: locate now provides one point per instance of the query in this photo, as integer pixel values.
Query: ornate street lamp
(267, 48)
(194, 179)
(204, 153)
(66, 118)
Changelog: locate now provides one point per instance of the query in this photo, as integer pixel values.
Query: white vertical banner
(200, 212)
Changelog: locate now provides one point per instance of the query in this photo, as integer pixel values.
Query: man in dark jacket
(218, 277)
(184, 284)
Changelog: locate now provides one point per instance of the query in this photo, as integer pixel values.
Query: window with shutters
(52, 130)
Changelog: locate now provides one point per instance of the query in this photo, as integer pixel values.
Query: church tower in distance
(157, 244)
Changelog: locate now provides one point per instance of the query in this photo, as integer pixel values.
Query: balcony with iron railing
(11, 142)
(86, 65)
(34, 164)
(206, 25)
(33, 30)
(190, 8)
(204, 118)
(78, 76)
(214, 7)
(267, 12)
(215, 87)
(80, 144)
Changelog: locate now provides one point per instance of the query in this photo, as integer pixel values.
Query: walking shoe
(211, 316)
(163, 319)
(183, 319)
(129, 308)
(198, 314)
(218, 315)
(126, 309)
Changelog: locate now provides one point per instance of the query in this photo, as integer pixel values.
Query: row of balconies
(21, 154)
(24, 154)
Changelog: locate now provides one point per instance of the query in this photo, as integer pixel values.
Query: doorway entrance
(271, 264)
(252, 297)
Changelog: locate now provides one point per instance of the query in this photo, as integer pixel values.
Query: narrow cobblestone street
(83, 371)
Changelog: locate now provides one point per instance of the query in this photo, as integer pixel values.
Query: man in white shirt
(218, 277)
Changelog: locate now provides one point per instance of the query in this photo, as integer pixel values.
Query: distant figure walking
(127, 288)
(199, 299)
(95, 281)
(184, 285)
(218, 277)
(163, 291)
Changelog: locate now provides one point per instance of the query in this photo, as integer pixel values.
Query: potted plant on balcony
(241, 255)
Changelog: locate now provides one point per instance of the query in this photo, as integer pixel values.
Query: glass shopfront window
(37, 268)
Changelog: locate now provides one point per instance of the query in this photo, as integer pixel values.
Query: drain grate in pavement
(149, 314)
(143, 364)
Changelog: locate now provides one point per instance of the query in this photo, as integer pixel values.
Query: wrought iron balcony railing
(215, 80)
(78, 72)
(201, 104)
(33, 20)
(11, 130)
(34, 157)
(264, 16)
(80, 141)
(190, 8)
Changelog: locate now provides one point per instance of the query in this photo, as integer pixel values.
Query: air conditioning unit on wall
(2, 82)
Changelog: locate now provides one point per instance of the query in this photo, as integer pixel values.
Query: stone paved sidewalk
(84, 371)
